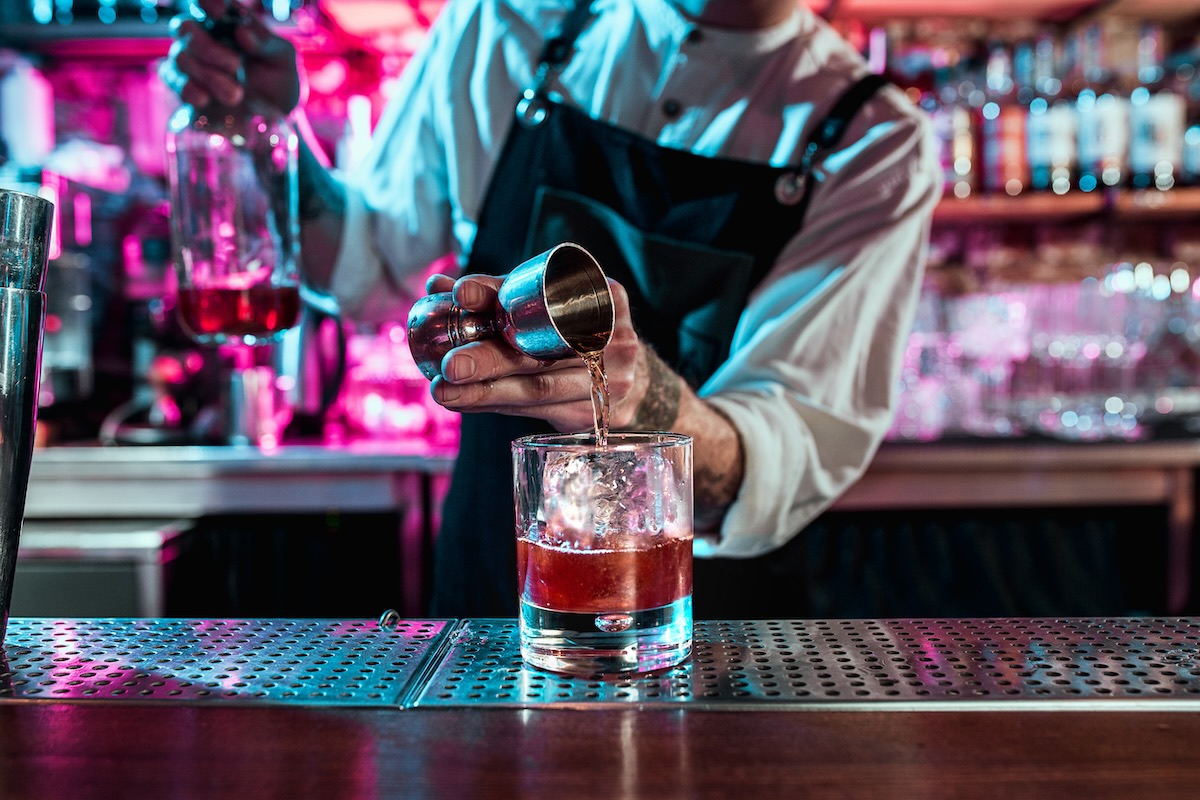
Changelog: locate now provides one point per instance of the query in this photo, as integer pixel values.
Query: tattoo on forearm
(715, 484)
(660, 406)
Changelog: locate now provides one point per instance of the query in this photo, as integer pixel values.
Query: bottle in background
(952, 126)
(1050, 126)
(1188, 76)
(1156, 118)
(1103, 116)
(965, 103)
(1002, 126)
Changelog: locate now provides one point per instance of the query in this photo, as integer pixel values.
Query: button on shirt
(811, 374)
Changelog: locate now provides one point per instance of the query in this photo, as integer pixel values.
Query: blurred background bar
(1054, 363)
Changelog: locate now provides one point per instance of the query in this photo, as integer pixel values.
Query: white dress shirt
(810, 379)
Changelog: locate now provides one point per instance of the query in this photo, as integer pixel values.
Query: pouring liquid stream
(600, 400)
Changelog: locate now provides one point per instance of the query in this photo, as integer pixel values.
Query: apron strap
(559, 47)
(531, 108)
(831, 130)
(795, 187)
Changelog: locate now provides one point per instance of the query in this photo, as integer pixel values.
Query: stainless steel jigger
(555, 305)
(25, 222)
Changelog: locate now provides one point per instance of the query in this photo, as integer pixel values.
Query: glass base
(590, 644)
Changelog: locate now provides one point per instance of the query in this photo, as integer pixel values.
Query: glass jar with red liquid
(235, 217)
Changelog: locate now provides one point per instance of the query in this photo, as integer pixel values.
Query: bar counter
(189, 482)
(180, 481)
(939, 708)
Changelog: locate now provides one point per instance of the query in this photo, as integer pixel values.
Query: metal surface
(25, 222)
(857, 664)
(193, 481)
(979, 664)
(311, 662)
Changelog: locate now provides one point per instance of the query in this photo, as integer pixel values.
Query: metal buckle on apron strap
(531, 109)
(789, 188)
(791, 185)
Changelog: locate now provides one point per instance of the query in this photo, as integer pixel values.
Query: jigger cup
(555, 305)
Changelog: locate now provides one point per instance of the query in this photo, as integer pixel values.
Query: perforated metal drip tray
(317, 662)
(856, 664)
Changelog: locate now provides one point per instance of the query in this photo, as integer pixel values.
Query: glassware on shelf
(1110, 353)
(1078, 383)
(921, 406)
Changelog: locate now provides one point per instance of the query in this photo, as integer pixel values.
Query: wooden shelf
(1120, 205)
(1030, 207)
(1151, 205)
(1044, 10)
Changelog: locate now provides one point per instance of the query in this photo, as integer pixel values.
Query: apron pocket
(689, 321)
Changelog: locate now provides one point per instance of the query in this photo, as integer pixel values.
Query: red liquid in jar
(260, 311)
(605, 581)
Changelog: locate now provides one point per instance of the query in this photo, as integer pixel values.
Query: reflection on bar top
(366, 455)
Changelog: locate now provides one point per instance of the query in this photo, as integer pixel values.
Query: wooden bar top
(873, 709)
(109, 750)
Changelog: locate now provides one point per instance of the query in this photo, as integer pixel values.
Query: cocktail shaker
(553, 306)
(25, 222)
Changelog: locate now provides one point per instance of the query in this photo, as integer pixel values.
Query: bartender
(760, 201)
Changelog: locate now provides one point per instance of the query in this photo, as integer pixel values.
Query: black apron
(687, 236)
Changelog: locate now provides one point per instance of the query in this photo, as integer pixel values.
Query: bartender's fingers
(476, 292)
(199, 68)
(566, 417)
(272, 71)
(213, 9)
(491, 360)
(543, 394)
(561, 397)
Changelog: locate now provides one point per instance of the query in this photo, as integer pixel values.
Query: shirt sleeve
(398, 207)
(810, 381)
(416, 196)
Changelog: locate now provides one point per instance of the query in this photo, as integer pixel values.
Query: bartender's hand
(490, 375)
(200, 69)
(644, 393)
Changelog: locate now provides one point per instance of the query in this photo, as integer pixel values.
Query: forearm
(717, 468)
(322, 216)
